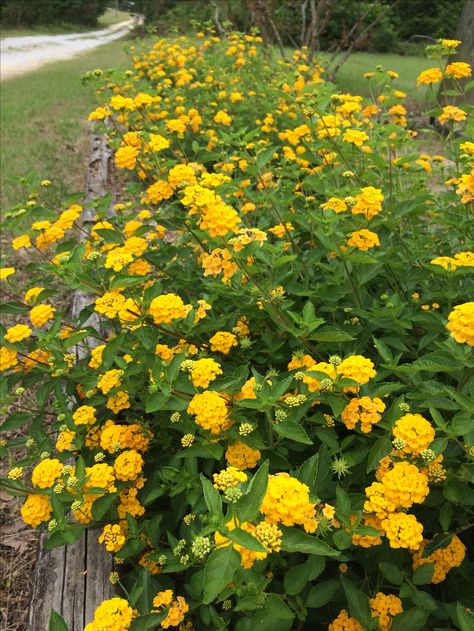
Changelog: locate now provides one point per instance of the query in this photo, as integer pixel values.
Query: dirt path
(19, 55)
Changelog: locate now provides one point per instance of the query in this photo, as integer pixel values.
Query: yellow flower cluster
(344, 622)
(358, 368)
(222, 342)
(384, 607)
(114, 437)
(450, 263)
(401, 487)
(443, 559)
(109, 380)
(41, 314)
(166, 308)
(219, 261)
(366, 410)
(8, 358)
(178, 608)
(113, 537)
(461, 323)
(227, 478)
(126, 157)
(112, 614)
(36, 510)
(287, 502)
(17, 333)
(269, 535)
(355, 137)
(215, 216)
(210, 409)
(403, 531)
(204, 371)
(128, 465)
(100, 476)
(452, 113)
(110, 304)
(416, 432)
(84, 415)
(368, 202)
(363, 239)
(159, 191)
(46, 472)
(242, 456)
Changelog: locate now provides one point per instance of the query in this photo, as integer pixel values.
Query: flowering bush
(272, 424)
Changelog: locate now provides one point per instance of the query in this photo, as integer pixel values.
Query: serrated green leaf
(218, 571)
(413, 619)
(248, 506)
(295, 540)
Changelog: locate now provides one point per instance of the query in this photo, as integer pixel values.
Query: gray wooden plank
(74, 579)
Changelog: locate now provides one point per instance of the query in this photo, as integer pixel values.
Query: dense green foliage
(400, 23)
(264, 404)
(40, 12)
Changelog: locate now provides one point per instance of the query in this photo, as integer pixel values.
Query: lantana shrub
(269, 415)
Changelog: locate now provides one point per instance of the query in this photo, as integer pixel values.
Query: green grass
(109, 18)
(44, 123)
(350, 76)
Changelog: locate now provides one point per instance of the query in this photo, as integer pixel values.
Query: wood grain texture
(73, 580)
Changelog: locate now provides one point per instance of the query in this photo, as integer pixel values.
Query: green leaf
(357, 601)
(218, 572)
(383, 350)
(16, 420)
(148, 621)
(275, 615)
(294, 431)
(330, 334)
(440, 540)
(424, 600)
(214, 451)
(296, 577)
(155, 402)
(465, 617)
(445, 516)
(392, 573)
(248, 506)
(423, 574)
(264, 156)
(324, 477)
(379, 449)
(245, 539)
(295, 540)
(57, 622)
(308, 471)
(412, 619)
(69, 535)
(343, 504)
(101, 505)
(321, 594)
(212, 497)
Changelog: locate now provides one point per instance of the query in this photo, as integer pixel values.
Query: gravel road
(24, 54)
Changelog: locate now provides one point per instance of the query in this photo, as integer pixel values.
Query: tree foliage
(41, 12)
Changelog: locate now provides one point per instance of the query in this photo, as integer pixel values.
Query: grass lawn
(109, 18)
(43, 120)
(350, 76)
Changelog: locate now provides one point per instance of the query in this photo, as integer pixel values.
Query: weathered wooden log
(74, 579)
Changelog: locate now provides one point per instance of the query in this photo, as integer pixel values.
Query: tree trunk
(465, 33)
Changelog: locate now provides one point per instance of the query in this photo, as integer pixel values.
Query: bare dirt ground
(19, 55)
